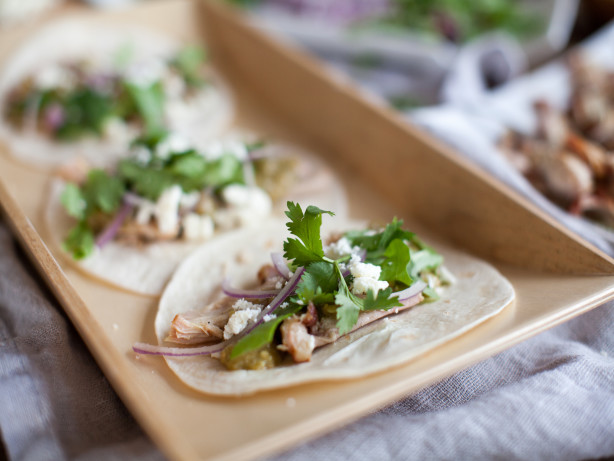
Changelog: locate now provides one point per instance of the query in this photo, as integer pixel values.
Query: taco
(351, 304)
(81, 89)
(131, 225)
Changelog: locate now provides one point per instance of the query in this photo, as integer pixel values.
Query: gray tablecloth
(551, 397)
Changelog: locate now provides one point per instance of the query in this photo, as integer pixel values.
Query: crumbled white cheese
(360, 269)
(366, 277)
(361, 285)
(174, 85)
(243, 304)
(54, 76)
(167, 210)
(145, 211)
(172, 143)
(279, 285)
(197, 227)
(340, 248)
(190, 200)
(245, 206)
(142, 154)
(238, 321)
(234, 147)
(269, 317)
(118, 131)
(145, 73)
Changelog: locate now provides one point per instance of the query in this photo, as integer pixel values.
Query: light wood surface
(388, 169)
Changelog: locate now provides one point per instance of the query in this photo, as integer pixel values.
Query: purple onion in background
(54, 116)
(100, 82)
(337, 11)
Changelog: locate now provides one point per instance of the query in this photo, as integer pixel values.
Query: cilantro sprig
(323, 280)
(400, 254)
(100, 194)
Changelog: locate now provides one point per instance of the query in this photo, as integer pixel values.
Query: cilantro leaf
(376, 244)
(306, 226)
(145, 181)
(225, 170)
(430, 294)
(318, 284)
(263, 333)
(84, 112)
(347, 310)
(73, 201)
(80, 241)
(103, 192)
(382, 301)
(300, 255)
(149, 102)
(423, 260)
(394, 267)
(188, 63)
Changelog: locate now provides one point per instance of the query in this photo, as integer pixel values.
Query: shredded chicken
(136, 234)
(299, 343)
(269, 278)
(296, 340)
(201, 327)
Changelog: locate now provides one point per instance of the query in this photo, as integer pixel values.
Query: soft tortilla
(145, 270)
(68, 40)
(479, 293)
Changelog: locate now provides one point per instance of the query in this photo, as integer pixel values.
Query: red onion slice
(417, 287)
(286, 291)
(133, 199)
(247, 294)
(109, 232)
(280, 264)
(149, 349)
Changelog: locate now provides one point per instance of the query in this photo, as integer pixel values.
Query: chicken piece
(310, 318)
(75, 171)
(327, 331)
(296, 340)
(201, 327)
(269, 278)
(136, 234)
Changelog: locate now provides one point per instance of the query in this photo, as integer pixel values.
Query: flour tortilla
(479, 293)
(71, 40)
(146, 269)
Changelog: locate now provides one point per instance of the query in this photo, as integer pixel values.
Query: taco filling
(166, 190)
(69, 101)
(318, 291)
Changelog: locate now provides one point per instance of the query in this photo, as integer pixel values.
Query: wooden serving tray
(388, 169)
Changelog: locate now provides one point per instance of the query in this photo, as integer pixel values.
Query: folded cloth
(551, 397)
(55, 403)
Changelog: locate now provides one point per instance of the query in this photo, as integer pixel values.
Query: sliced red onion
(417, 287)
(133, 199)
(234, 292)
(54, 116)
(111, 230)
(286, 291)
(280, 264)
(149, 349)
